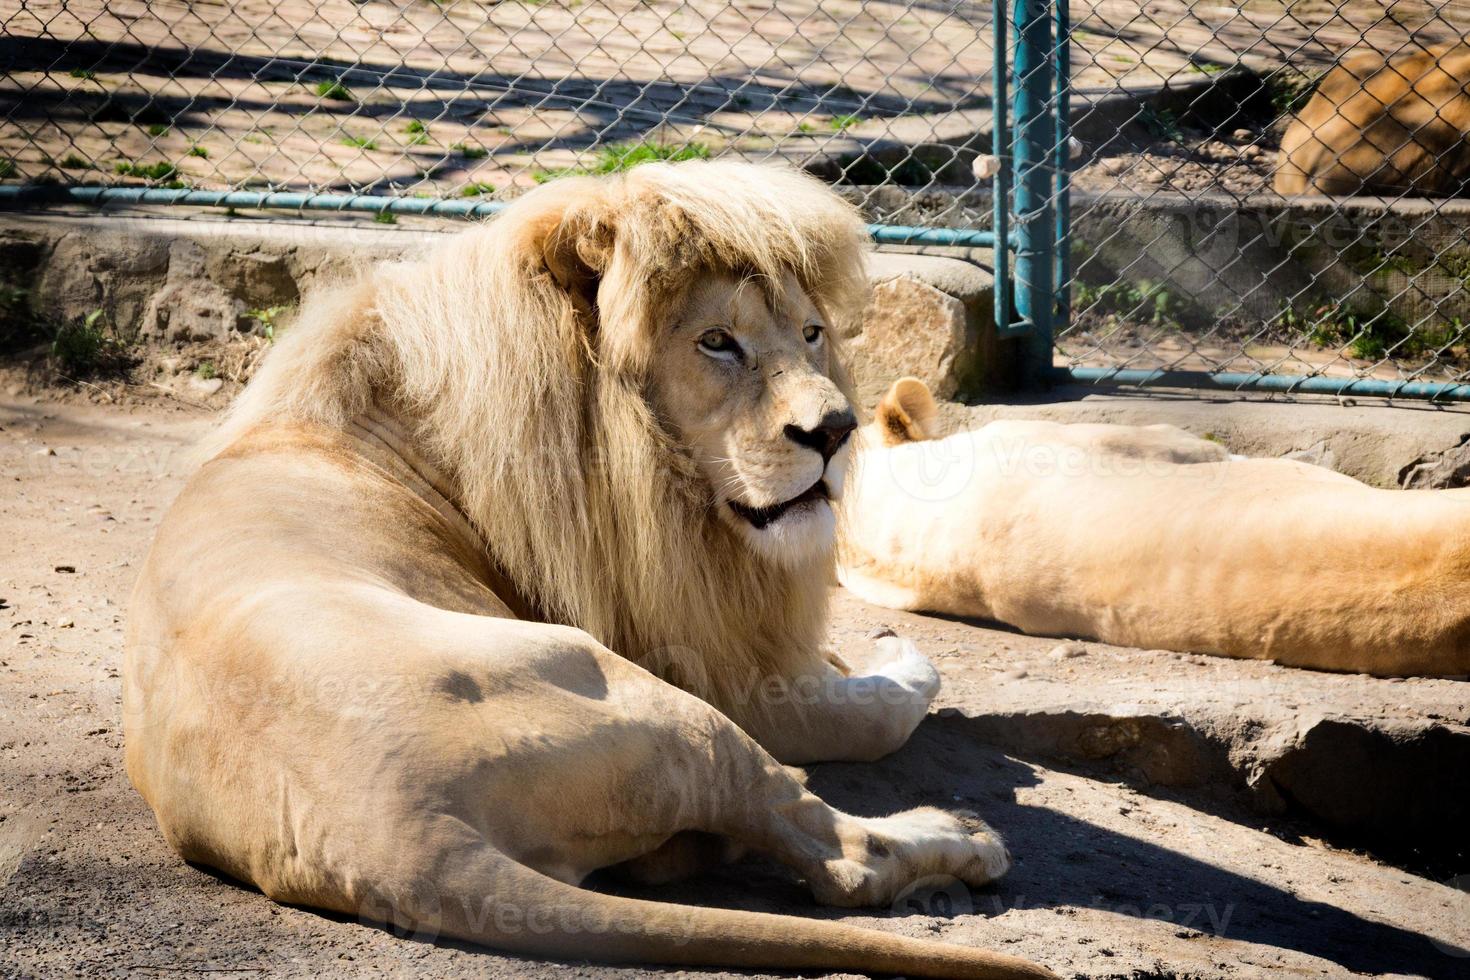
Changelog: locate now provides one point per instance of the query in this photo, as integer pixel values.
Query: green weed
(334, 90)
(85, 347)
(161, 170)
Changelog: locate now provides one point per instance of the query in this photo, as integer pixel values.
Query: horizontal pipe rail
(1316, 384)
(383, 204)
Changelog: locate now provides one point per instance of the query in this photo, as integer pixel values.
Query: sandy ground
(1110, 882)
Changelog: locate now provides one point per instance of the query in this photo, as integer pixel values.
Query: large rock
(930, 317)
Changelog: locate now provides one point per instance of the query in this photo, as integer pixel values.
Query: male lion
(1148, 536)
(512, 565)
(1383, 125)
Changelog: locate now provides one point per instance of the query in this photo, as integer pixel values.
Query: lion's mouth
(760, 517)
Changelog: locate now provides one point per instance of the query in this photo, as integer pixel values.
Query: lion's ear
(907, 413)
(572, 242)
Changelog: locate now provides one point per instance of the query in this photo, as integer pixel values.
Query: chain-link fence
(1256, 210)
(465, 98)
(1186, 248)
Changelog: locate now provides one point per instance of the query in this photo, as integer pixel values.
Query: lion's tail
(507, 906)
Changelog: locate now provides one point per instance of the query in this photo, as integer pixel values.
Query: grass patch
(202, 152)
(417, 132)
(386, 218)
(85, 347)
(1370, 336)
(157, 129)
(1144, 300)
(844, 122)
(477, 190)
(7, 168)
(470, 151)
(361, 142)
(73, 162)
(333, 90)
(161, 170)
(619, 157)
(1161, 124)
(207, 370)
(86, 74)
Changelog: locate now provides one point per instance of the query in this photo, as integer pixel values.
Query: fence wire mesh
(1189, 247)
(1244, 205)
(461, 98)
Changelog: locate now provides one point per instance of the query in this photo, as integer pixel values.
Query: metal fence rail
(1149, 237)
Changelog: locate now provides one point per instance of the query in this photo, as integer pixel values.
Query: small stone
(66, 569)
(205, 387)
(1242, 135)
(1068, 650)
(45, 451)
(65, 623)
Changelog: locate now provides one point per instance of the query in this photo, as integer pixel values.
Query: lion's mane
(518, 354)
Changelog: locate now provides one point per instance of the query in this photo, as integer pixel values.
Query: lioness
(512, 565)
(1383, 124)
(1148, 536)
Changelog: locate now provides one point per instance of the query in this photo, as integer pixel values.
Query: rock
(1242, 135)
(1443, 470)
(1318, 454)
(65, 623)
(194, 309)
(66, 569)
(203, 388)
(1068, 650)
(926, 319)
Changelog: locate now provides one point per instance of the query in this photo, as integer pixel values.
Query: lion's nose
(829, 435)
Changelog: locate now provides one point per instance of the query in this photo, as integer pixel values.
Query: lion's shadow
(1065, 861)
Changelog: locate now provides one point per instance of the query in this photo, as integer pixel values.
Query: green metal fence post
(1035, 212)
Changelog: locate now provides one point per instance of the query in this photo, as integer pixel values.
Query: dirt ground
(1109, 881)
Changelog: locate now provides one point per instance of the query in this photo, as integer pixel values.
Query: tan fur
(1147, 536)
(1383, 124)
(384, 656)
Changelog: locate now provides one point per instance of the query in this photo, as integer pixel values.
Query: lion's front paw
(902, 663)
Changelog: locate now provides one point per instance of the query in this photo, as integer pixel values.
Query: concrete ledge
(1398, 444)
(178, 280)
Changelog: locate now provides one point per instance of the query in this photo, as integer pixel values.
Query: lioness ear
(907, 413)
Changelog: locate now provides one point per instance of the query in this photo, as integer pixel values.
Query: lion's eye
(720, 343)
(812, 332)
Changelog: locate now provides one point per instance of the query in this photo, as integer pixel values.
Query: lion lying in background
(1147, 536)
(513, 564)
(1383, 125)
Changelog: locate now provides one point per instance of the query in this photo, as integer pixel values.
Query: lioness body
(361, 670)
(1383, 124)
(1151, 537)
